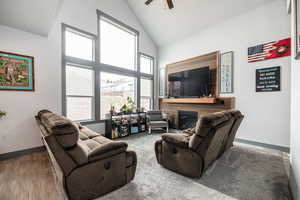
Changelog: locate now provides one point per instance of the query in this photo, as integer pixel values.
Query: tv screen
(191, 83)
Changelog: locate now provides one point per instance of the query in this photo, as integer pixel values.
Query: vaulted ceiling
(35, 16)
(188, 17)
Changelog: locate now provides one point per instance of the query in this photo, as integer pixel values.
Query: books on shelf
(121, 125)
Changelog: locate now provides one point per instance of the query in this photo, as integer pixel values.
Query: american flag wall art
(276, 49)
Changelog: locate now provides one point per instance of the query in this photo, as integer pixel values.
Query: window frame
(77, 62)
(99, 67)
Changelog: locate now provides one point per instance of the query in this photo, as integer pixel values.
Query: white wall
(18, 130)
(295, 125)
(267, 115)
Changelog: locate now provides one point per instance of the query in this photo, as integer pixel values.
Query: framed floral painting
(16, 72)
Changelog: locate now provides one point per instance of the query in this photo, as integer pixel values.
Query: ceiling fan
(169, 2)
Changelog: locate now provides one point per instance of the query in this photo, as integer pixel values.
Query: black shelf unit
(122, 125)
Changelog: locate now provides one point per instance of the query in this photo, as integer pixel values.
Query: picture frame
(297, 28)
(268, 79)
(16, 72)
(226, 73)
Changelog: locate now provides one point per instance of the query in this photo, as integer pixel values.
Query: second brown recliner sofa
(191, 152)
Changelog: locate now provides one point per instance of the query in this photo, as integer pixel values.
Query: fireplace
(187, 119)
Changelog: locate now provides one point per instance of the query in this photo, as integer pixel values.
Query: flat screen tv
(190, 83)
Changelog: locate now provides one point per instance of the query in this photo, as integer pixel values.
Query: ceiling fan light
(148, 2)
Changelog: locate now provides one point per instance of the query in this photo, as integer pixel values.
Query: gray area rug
(244, 172)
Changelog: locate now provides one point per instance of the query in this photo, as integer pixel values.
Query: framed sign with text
(268, 79)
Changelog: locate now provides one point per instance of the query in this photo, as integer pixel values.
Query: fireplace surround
(187, 119)
(202, 108)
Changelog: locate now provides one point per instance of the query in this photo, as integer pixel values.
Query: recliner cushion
(79, 153)
(207, 122)
(100, 147)
(85, 133)
(180, 140)
(195, 141)
(158, 123)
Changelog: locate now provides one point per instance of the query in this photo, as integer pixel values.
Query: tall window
(79, 82)
(146, 67)
(101, 71)
(118, 52)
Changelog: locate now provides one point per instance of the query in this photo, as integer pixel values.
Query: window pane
(146, 87)
(79, 108)
(146, 64)
(146, 103)
(79, 46)
(146, 94)
(117, 46)
(114, 91)
(79, 81)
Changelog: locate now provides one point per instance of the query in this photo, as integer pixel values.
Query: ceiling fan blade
(170, 4)
(148, 2)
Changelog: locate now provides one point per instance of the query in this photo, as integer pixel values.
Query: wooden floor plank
(27, 177)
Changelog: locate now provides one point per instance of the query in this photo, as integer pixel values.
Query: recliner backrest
(64, 130)
(238, 116)
(204, 127)
(209, 135)
(62, 136)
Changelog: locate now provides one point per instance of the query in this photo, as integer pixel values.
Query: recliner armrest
(179, 140)
(106, 150)
(195, 142)
(190, 131)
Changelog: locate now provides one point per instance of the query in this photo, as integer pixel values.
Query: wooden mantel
(206, 100)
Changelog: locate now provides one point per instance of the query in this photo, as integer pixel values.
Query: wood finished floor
(27, 178)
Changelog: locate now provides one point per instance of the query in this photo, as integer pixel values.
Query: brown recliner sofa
(191, 152)
(86, 164)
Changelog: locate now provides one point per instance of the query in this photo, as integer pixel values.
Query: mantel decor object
(226, 73)
(16, 72)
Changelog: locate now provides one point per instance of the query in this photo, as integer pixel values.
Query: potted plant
(2, 114)
(129, 107)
